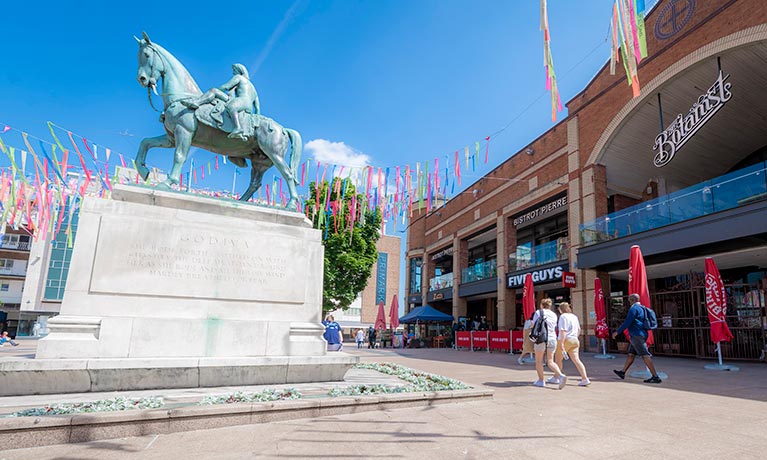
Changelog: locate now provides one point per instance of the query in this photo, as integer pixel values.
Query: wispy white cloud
(276, 34)
(337, 153)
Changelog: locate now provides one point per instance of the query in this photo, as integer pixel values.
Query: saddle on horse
(213, 114)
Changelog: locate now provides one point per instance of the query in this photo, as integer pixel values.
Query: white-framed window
(6, 263)
(4, 287)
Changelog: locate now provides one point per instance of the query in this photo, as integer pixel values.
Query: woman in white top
(569, 330)
(360, 338)
(547, 348)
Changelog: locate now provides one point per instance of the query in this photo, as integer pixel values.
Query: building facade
(572, 202)
(14, 258)
(382, 286)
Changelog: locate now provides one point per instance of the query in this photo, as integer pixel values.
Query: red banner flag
(381, 318)
(600, 328)
(394, 313)
(528, 297)
(716, 303)
(638, 282)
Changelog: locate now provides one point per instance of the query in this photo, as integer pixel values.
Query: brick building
(383, 285)
(577, 197)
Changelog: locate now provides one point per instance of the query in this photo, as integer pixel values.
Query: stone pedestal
(204, 292)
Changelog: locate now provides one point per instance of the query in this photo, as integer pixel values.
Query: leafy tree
(350, 231)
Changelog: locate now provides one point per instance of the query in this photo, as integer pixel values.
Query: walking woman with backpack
(544, 336)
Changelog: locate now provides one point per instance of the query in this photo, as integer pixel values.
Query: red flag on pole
(638, 282)
(394, 313)
(528, 297)
(716, 303)
(381, 318)
(600, 328)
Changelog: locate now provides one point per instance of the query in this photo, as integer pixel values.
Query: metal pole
(660, 112)
(234, 179)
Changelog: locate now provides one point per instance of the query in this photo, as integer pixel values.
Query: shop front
(696, 189)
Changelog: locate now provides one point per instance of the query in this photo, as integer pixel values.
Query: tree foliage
(350, 231)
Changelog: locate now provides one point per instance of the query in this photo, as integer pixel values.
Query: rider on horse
(245, 98)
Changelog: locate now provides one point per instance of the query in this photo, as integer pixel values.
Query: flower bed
(240, 397)
(419, 381)
(104, 405)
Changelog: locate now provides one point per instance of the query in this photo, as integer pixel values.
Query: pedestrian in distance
(5, 338)
(634, 324)
(360, 338)
(546, 349)
(333, 334)
(568, 344)
(371, 337)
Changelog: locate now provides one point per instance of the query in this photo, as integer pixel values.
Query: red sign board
(517, 340)
(568, 279)
(463, 339)
(500, 340)
(479, 339)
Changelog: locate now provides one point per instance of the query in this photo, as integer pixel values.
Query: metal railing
(541, 254)
(480, 271)
(725, 192)
(684, 328)
(18, 245)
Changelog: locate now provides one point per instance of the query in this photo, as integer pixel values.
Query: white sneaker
(584, 383)
(519, 360)
(539, 383)
(553, 381)
(562, 381)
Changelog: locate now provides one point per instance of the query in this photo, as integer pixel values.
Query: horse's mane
(172, 61)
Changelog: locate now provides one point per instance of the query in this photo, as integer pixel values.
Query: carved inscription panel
(173, 260)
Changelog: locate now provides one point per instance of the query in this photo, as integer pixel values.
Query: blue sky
(397, 81)
(386, 82)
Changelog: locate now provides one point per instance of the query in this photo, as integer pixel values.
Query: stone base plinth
(53, 376)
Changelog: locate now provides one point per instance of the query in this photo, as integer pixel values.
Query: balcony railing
(479, 271)
(18, 245)
(441, 282)
(732, 190)
(541, 254)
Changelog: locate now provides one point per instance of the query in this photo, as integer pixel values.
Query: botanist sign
(683, 128)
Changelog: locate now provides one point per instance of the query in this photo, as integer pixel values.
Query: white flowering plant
(263, 396)
(104, 405)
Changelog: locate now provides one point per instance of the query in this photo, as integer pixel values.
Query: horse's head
(150, 63)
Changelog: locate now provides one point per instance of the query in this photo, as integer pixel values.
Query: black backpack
(540, 333)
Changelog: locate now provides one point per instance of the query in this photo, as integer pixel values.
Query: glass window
(415, 274)
(61, 254)
(4, 287)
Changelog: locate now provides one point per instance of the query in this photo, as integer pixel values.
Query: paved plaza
(693, 414)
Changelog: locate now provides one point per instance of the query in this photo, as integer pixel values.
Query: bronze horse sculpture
(265, 145)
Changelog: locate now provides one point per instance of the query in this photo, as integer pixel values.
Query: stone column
(587, 199)
(505, 297)
(427, 272)
(460, 261)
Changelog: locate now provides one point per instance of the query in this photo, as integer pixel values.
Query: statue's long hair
(241, 70)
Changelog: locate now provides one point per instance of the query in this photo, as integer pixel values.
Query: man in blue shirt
(333, 335)
(634, 323)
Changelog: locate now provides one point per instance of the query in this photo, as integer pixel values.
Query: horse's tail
(295, 152)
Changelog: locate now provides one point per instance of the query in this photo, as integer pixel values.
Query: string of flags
(46, 179)
(628, 39)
